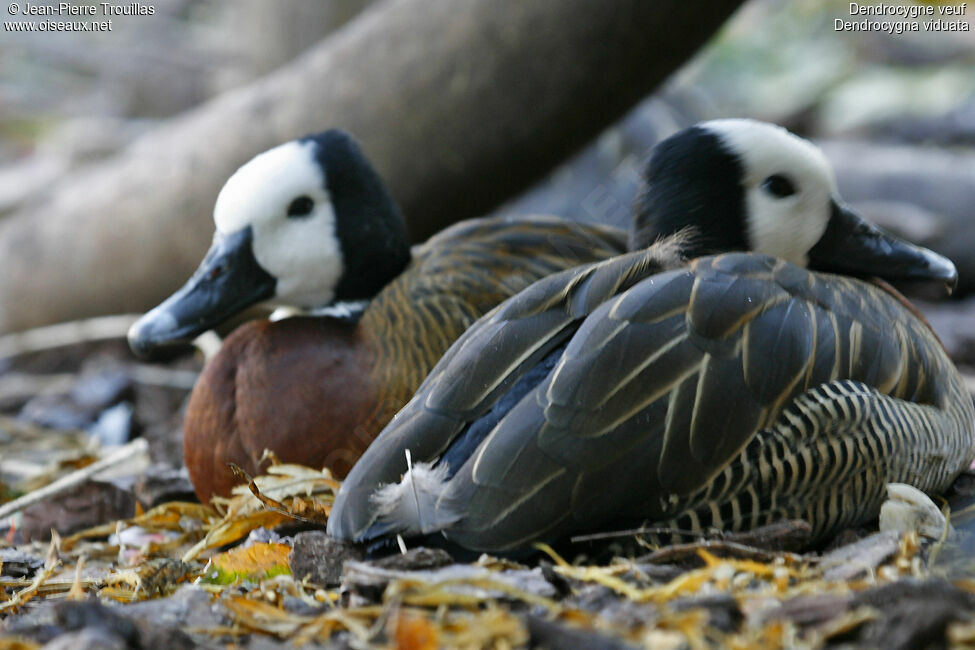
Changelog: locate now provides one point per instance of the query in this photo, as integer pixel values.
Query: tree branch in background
(460, 104)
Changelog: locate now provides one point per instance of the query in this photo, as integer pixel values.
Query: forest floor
(135, 561)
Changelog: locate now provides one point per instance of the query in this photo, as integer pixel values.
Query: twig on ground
(55, 336)
(117, 457)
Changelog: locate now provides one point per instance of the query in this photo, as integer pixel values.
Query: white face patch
(302, 253)
(789, 226)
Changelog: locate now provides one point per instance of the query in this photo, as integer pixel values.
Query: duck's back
(461, 274)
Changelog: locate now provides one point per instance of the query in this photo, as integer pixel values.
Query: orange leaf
(413, 633)
(255, 562)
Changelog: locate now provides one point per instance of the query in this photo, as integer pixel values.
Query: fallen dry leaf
(415, 633)
(253, 563)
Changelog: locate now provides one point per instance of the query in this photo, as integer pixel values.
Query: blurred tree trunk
(278, 31)
(460, 104)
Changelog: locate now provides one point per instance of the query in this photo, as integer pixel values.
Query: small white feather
(344, 309)
(410, 506)
(909, 509)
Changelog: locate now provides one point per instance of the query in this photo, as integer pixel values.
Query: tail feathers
(409, 508)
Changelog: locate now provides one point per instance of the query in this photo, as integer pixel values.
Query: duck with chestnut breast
(725, 393)
(311, 224)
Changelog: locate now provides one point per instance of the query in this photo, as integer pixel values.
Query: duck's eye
(779, 186)
(301, 207)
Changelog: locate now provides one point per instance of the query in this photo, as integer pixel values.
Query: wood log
(459, 103)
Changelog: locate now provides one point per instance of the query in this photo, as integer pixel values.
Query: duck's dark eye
(301, 207)
(779, 186)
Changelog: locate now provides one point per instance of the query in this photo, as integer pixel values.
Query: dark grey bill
(853, 246)
(228, 280)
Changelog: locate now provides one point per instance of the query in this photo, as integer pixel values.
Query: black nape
(368, 221)
(692, 179)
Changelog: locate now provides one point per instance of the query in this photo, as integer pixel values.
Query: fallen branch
(103, 328)
(720, 548)
(162, 376)
(23, 386)
(118, 457)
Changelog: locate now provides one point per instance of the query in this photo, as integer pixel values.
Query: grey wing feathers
(665, 381)
(479, 366)
(494, 352)
(662, 386)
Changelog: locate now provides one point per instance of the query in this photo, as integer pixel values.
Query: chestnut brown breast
(300, 387)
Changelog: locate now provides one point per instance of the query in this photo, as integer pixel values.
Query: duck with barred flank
(727, 392)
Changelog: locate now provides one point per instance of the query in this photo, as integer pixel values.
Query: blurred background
(895, 114)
